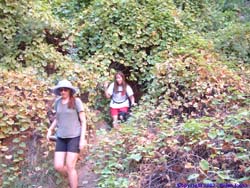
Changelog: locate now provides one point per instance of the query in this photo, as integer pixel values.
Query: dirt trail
(87, 177)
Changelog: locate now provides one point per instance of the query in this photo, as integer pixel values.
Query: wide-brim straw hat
(63, 84)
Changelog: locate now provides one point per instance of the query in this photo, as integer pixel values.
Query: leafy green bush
(206, 150)
(18, 111)
(24, 115)
(207, 16)
(23, 109)
(234, 42)
(188, 85)
(127, 40)
(25, 28)
(68, 9)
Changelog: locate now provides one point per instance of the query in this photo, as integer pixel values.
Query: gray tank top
(68, 123)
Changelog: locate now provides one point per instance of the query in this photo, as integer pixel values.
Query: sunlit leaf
(137, 157)
(193, 176)
(243, 156)
(20, 152)
(247, 169)
(2, 135)
(16, 140)
(204, 165)
(212, 134)
(10, 122)
(220, 132)
(223, 176)
(208, 182)
(8, 157)
(22, 144)
(4, 148)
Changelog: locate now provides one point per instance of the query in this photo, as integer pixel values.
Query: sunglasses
(63, 89)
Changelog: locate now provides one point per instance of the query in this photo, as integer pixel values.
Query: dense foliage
(186, 130)
(125, 39)
(188, 62)
(235, 48)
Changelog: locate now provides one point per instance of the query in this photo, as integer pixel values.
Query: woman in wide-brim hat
(63, 84)
(70, 122)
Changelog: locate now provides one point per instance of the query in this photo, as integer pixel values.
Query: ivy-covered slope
(192, 122)
(32, 61)
(192, 128)
(193, 116)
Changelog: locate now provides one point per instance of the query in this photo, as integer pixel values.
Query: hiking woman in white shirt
(120, 93)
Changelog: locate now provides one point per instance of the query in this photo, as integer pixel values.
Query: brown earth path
(86, 175)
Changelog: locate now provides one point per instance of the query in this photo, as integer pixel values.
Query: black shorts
(68, 144)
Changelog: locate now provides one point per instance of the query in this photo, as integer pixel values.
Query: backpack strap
(127, 97)
(56, 105)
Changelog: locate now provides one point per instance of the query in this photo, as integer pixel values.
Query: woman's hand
(133, 104)
(49, 134)
(82, 144)
(106, 84)
(50, 130)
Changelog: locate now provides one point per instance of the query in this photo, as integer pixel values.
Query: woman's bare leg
(71, 160)
(59, 162)
(115, 122)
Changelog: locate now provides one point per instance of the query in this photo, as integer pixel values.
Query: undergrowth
(205, 150)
